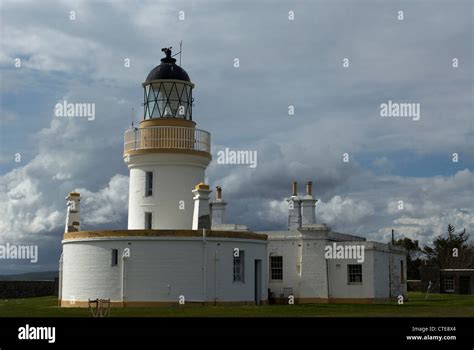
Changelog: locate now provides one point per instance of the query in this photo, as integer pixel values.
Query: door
(258, 281)
(464, 285)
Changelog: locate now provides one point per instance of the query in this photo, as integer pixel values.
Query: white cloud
(109, 205)
(426, 229)
(345, 212)
(32, 195)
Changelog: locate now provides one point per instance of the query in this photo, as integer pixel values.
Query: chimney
(294, 188)
(309, 188)
(393, 237)
(308, 206)
(218, 209)
(201, 215)
(73, 215)
(294, 209)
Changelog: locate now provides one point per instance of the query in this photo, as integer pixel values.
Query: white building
(311, 263)
(178, 247)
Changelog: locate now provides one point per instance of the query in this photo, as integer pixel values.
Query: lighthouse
(178, 247)
(166, 155)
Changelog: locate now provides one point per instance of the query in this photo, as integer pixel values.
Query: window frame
(451, 279)
(114, 257)
(351, 275)
(274, 268)
(148, 220)
(149, 183)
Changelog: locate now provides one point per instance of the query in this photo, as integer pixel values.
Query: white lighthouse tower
(167, 155)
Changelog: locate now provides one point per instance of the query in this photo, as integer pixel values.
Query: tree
(413, 257)
(451, 251)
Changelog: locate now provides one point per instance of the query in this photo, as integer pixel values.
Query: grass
(437, 305)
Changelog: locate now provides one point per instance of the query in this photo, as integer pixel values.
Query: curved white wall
(174, 177)
(161, 269)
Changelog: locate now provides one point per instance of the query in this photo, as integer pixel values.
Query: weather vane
(167, 51)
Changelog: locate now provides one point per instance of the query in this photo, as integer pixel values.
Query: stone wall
(414, 285)
(25, 289)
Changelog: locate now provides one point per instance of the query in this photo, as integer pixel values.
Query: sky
(290, 53)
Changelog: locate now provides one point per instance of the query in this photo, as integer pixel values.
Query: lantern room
(168, 91)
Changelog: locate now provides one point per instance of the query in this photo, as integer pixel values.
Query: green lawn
(437, 305)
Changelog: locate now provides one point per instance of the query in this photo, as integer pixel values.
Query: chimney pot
(217, 208)
(295, 188)
(309, 188)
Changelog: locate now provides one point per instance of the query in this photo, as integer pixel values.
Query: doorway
(258, 281)
(464, 285)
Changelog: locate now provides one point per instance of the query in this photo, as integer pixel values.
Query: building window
(114, 257)
(449, 283)
(239, 267)
(276, 268)
(354, 274)
(149, 184)
(402, 272)
(148, 221)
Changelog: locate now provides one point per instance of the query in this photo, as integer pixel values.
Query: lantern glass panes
(168, 99)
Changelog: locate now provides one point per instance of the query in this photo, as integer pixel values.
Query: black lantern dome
(168, 91)
(168, 69)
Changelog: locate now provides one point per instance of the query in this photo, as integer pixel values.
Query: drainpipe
(204, 266)
(125, 254)
(60, 280)
(328, 280)
(216, 258)
(390, 275)
(122, 287)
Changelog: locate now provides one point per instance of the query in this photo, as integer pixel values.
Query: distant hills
(31, 276)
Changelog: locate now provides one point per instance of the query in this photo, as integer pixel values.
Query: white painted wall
(161, 269)
(289, 247)
(398, 288)
(314, 281)
(339, 286)
(174, 175)
(321, 278)
(381, 273)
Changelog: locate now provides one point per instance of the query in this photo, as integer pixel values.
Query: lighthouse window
(148, 221)
(166, 99)
(149, 184)
(114, 257)
(239, 266)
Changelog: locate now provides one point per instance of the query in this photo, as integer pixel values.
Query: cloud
(109, 205)
(344, 211)
(32, 195)
(426, 229)
(282, 62)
